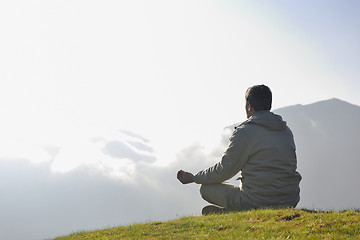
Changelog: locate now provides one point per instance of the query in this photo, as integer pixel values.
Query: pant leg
(222, 194)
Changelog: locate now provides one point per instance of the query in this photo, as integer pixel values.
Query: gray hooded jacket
(262, 148)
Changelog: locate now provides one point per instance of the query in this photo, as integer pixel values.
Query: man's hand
(185, 177)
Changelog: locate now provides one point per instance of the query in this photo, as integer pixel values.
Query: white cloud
(116, 154)
(14, 148)
(51, 203)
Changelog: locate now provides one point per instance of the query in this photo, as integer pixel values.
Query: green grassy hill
(254, 224)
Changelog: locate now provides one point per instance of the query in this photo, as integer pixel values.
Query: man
(262, 149)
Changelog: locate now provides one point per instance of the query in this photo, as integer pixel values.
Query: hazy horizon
(48, 203)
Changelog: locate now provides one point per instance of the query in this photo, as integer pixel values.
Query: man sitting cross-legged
(262, 149)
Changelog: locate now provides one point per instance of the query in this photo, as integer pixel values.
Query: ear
(249, 107)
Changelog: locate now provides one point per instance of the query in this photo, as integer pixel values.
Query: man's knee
(203, 190)
(214, 194)
(211, 192)
(219, 194)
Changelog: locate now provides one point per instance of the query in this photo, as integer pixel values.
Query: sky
(114, 86)
(167, 70)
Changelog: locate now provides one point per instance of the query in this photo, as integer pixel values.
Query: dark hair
(259, 96)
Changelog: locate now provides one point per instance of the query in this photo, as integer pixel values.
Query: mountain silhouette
(327, 138)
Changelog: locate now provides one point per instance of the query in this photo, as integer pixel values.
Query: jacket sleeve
(231, 162)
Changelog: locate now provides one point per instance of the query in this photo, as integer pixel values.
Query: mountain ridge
(319, 103)
(326, 135)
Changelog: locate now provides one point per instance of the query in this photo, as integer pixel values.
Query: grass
(254, 224)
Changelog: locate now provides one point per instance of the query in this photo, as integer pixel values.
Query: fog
(38, 202)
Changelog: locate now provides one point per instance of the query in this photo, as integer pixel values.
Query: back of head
(260, 97)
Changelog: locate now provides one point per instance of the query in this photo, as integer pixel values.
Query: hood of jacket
(268, 120)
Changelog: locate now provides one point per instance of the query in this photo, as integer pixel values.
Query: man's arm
(231, 163)
(233, 160)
